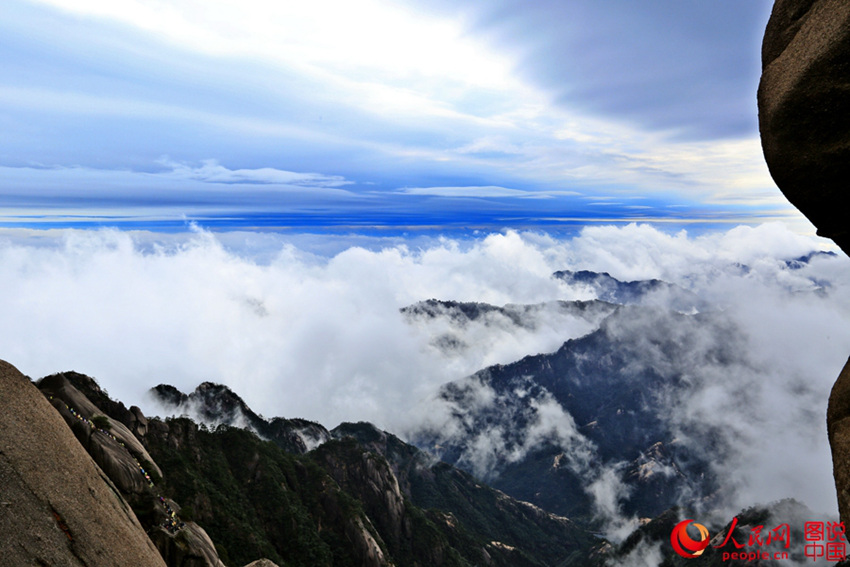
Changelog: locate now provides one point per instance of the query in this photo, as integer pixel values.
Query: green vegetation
(256, 500)
(362, 495)
(101, 422)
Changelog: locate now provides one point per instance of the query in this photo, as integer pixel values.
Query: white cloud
(374, 86)
(300, 335)
(368, 42)
(487, 191)
(212, 172)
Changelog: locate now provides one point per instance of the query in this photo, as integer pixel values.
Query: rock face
(120, 454)
(838, 428)
(804, 109)
(115, 460)
(58, 507)
(190, 547)
(804, 119)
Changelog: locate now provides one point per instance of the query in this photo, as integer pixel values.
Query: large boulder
(189, 547)
(804, 109)
(56, 506)
(804, 119)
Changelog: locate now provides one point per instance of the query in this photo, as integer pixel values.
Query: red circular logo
(684, 545)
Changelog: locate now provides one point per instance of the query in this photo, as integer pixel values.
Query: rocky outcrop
(58, 507)
(103, 427)
(838, 428)
(369, 478)
(190, 547)
(804, 119)
(393, 478)
(117, 454)
(804, 109)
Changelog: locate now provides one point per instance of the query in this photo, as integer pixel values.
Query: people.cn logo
(686, 546)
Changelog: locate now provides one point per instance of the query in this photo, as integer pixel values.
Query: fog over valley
(351, 335)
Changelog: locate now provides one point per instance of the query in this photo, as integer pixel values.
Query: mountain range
(528, 463)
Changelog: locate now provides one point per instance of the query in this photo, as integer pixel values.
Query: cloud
(487, 450)
(687, 69)
(490, 191)
(299, 334)
(470, 191)
(469, 96)
(212, 172)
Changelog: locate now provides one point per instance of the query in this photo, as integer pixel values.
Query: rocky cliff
(804, 109)
(121, 455)
(58, 507)
(804, 119)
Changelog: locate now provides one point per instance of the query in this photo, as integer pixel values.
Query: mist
(300, 333)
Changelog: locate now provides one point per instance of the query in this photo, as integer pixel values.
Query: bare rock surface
(56, 506)
(59, 387)
(838, 427)
(190, 547)
(116, 453)
(804, 109)
(119, 453)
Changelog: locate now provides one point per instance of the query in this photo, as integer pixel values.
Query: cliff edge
(804, 109)
(58, 507)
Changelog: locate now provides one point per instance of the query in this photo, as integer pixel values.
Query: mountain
(546, 427)
(361, 497)
(213, 404)
(120, 453)
(644, 292)
(588, 430)
(528, 532)
(466, 330)
(223, 496)
(571, 440)
(784, 520)
(526, 316)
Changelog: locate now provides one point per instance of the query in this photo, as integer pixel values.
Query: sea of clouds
(310, 327)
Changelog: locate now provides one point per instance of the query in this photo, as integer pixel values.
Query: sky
(386, 116)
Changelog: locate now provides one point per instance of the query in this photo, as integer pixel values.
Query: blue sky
(372, 114)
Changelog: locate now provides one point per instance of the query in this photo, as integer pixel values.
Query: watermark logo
(822, 540)
(684, 544)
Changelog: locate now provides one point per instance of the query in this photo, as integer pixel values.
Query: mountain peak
(216, 404)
